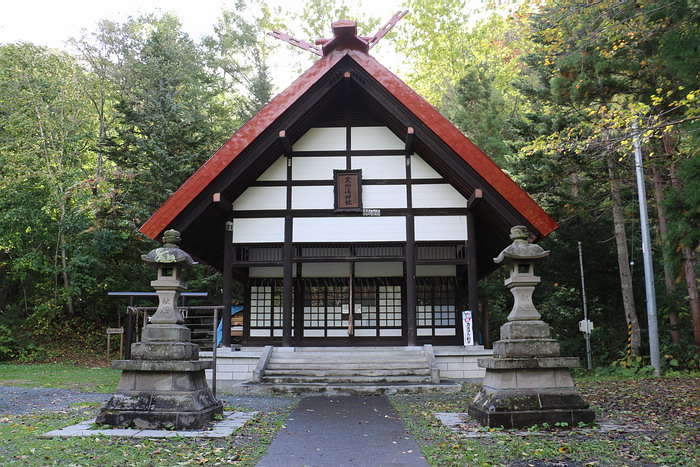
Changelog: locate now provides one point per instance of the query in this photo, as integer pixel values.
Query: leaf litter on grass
(639, 422)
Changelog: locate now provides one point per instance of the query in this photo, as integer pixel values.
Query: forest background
(95, 138)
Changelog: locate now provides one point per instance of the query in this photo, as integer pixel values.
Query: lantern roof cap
(170, 252)
(520, 249)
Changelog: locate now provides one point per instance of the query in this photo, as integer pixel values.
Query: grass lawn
(20, 445)
(659, 425)
(60, 375)
(660, 421)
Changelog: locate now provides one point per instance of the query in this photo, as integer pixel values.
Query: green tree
(606, 64)
(47, 136)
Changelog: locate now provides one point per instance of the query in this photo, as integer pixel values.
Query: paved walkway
(343, 431)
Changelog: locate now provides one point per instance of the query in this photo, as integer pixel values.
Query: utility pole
(587, 323)
(646, 253)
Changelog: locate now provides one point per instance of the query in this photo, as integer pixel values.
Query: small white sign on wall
(468, 327)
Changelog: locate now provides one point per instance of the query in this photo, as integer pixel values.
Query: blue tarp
(234, 309)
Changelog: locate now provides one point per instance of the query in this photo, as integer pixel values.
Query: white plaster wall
(322, 139)
(384, 196)
(377, 269)
(260, 198)
(276, 172)
(349, 229)
(421, 169)
(380, 167)
(325, 270)
(264, 230)
(265, 272)
(438, 228)
(312, 197)
(437, 196)
(316, 168)
(374, 137)
(436, 270)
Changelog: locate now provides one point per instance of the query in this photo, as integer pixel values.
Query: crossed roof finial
(342, 30)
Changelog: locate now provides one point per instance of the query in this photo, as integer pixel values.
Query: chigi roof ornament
(343, 31)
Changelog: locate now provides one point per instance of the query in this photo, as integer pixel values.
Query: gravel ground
(20, 400)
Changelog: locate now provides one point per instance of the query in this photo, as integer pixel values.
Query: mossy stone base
(145, 399)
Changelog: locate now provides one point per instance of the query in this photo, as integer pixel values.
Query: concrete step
(377, 348)
(345, 358)
(295, 379)
(347, 372)
(301, 365)
(344, 389)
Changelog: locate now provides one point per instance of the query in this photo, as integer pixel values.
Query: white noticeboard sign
(468, 327)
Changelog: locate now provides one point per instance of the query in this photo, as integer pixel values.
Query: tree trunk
(64, 263)
(668, 276)
(689, 272)
(3, 289)
(623, 256)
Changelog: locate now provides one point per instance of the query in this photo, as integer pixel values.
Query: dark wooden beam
(411, 286)
(475, 198)
(228, 285)
(286, 144)
(346, 83)
(222, 203)
(472, 271)
(410, 133)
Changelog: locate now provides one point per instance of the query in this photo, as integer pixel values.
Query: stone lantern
(170, 260)
(527, 382)
(163, 386)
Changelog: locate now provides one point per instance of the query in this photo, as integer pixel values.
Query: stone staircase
(350, 370)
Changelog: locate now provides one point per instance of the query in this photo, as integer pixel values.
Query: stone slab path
(343, 430)
(221, 429)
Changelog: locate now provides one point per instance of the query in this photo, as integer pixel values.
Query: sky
(52, 22)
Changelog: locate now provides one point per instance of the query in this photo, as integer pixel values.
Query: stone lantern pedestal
(527, 382)
(163, 386)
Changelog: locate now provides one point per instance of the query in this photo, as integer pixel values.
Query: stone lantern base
(163, 386)
(527, 383)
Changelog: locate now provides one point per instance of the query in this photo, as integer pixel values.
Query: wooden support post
(287, 252)
(411, 289)
(226, 206)
(228, 286)
(410, 253)
(287, 284)
(472, 272)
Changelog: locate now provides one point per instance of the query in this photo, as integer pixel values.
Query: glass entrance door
(326, 310)
(375, 312)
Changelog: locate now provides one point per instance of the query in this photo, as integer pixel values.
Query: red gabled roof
(348, 45)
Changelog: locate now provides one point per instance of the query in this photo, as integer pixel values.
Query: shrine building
(350, 210)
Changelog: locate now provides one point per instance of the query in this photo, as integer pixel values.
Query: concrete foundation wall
(233, 366)
(457, 363)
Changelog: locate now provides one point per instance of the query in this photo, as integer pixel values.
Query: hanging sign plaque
(348, 190)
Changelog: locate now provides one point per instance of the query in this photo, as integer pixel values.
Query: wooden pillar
(228, 286)
(410, 269)
(410, 274)
(287, 284)
(287, 251)
(472, 271)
